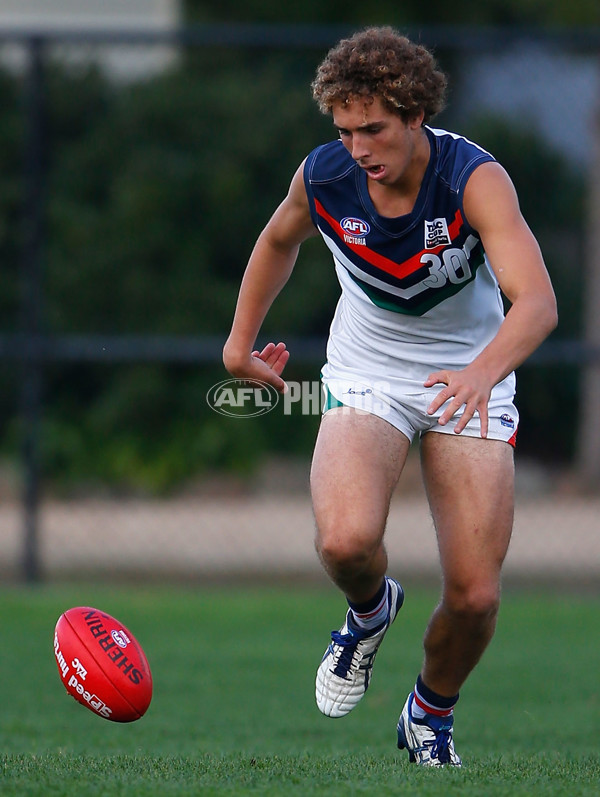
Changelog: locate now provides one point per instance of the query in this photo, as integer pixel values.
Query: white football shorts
(404, 402)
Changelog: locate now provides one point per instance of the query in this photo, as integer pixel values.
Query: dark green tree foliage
(156, 194)
(438, 12)
(174, 177)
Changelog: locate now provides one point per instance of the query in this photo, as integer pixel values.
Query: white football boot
(345, 670)
(429, 740)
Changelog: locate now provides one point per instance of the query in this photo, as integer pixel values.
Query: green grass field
(233, 710)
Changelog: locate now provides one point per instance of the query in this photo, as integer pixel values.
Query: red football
(102, 665)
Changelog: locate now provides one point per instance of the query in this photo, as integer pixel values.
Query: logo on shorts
(506, 420)
(361, 397)
(436, 233)
(355, 230)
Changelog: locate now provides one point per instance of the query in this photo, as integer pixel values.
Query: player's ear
(416, 120)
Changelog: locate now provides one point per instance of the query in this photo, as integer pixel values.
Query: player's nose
(359, 148)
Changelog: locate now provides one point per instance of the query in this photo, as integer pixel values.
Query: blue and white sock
(374, 613)
(429, 702)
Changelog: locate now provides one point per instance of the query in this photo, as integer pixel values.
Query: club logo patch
(436, 233)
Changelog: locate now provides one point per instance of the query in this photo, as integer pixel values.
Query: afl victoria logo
(356, 227)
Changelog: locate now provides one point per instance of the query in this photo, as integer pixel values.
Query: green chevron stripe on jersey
(387, 301)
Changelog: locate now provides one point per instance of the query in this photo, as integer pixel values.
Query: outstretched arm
(269, 268)
(491, 206)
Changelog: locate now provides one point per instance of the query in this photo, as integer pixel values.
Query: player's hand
(263, 366)
(468, 389)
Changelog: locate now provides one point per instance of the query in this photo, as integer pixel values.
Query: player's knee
(346, 553)
(472, 600)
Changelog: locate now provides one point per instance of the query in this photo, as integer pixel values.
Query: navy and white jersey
(416, 288)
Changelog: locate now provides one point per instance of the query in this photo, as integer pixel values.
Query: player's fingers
(467, 414)
(441, 398)
(470, 409)
(278, 350)
(483, 418)
(436, 378)
(271, 353)
(271, 377)
(268, 349)
(463, 421)
(275, 353)
(451, 411)
(281, 362)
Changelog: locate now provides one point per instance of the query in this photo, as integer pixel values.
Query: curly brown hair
(380, 62)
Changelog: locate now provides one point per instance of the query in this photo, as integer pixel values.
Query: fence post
(31, 303)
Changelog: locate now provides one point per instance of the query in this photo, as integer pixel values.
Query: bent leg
(357, 461)
(470, 487)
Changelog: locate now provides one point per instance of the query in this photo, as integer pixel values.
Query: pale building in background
(73, 14)
(122, 61)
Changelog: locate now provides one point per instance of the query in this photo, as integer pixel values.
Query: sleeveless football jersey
(418, 293)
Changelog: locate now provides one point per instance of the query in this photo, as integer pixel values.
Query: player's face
(379, 141)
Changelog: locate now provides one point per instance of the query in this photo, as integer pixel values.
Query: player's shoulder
(456, 156)
(328, 162)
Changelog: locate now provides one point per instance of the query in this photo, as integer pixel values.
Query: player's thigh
(470, 487)
(357, 461)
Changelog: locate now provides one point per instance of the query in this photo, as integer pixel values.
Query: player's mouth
(375, 171)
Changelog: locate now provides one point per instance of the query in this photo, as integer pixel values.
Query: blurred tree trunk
(588, 454)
